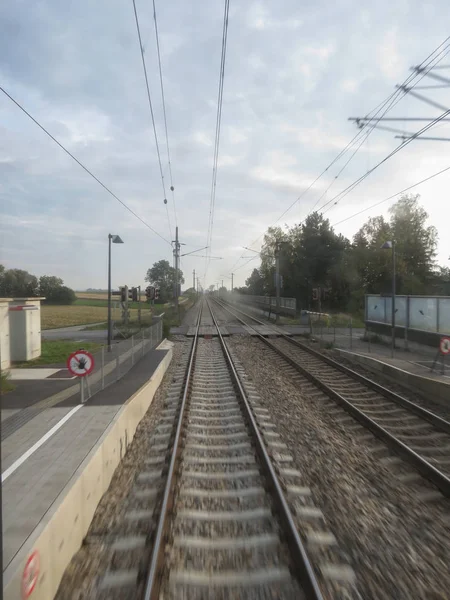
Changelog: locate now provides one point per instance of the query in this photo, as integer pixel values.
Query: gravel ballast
(397, 545)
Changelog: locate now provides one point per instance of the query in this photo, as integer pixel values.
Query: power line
(438, 54)
(243, 265)
(164, 112)
(151, 112)
(81, 164)
(371, 120)
(393, 196)
(218, 125)
(353, 185)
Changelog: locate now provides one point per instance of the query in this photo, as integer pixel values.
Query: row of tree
(313, 255)
(16, 283)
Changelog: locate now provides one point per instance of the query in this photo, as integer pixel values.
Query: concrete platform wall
(426, 386)
(60, 534)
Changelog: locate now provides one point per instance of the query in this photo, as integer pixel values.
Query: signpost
(444, 350)
(81, 364)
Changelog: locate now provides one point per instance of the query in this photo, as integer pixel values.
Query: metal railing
(111, 366)
(288, 306)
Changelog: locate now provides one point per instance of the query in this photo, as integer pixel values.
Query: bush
(5, 384)
(61, 295)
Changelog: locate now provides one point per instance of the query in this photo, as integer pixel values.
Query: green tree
(416, 244)
(372, 264)
(162, 275)
(255, 283)
(311, 255)
(16, 283)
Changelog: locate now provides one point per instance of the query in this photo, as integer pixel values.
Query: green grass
(57, 351)
(5, 385)
(104, 303)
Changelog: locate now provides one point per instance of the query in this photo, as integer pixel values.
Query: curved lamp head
(116, 239)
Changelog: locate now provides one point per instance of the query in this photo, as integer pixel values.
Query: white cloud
(349, 85)
(202, 138)
(236, 135)
(390, 60)
(281, 179)
(228, 161)
(259, 18)
(321, 52)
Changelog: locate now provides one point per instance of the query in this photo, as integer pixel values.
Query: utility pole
(232, 275)
(393, 298)
(177, 258)
(277, 280)
(193, 273)
(222, 282)
(139, 306)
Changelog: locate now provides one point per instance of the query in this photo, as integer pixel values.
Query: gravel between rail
(398, 546)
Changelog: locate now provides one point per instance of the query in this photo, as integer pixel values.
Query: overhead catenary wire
(151, 112)
(164, 113)
(353, 185)
(438, 54)
(217, 134)
(73, 157)
(410, 187)
(385, 105)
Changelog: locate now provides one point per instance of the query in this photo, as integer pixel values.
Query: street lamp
(115, 239)
(388, 246)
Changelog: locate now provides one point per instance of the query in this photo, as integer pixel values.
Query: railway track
(225, 528)
(417, 435)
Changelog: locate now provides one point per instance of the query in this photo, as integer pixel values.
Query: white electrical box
(25, 328)
(5, 360)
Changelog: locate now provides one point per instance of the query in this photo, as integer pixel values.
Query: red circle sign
(30, 574)
(444, 345)
(80, 363)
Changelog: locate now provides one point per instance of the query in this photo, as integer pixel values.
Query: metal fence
(287, 305)
(422, 313)
(111, 366)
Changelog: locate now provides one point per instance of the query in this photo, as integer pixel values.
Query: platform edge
(61, 532)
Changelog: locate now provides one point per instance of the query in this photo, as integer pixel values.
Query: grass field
(93, 308)
(102, 296)
(57, 351)
(65, 316)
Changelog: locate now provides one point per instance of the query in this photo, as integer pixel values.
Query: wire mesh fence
(110, 366)
(331, 330)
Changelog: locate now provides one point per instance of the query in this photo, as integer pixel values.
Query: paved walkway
(31, 488)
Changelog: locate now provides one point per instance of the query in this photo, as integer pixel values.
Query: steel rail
(155, 574)
(303, 569)
(423, 466)
(425, 414)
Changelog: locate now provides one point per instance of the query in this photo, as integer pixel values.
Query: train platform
(43, 452)
(411, 369)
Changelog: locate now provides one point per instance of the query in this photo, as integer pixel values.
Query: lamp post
(115, 239)
(388, 246)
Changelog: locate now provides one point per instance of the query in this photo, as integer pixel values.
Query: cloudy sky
(295, 72)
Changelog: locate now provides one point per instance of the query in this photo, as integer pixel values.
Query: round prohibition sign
(444, 345)
(30, 574)
(80, 363)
